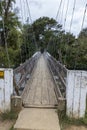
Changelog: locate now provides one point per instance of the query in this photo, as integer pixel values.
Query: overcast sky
(40, 8)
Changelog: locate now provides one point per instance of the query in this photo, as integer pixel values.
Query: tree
(9, 19)
(82, 50)
(76, 53)
(39, 32)
(43, 30)
(28, 44)
(10, 33)
(83, 33)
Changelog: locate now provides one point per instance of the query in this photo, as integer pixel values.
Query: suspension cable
(70, 23)
(66, 13)
(29, 16)
(56, 20)
(25, 18)
(84, 17)
(5, 39)
(22, 27)
(58, 10)
(29, 11)
(62, 13)
(31, 23)
(21, 12)
(24, 11)
(82, 25)
(18, 36)
(72, 15)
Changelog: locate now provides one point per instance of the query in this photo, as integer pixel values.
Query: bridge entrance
(39, 90)
(51, 84)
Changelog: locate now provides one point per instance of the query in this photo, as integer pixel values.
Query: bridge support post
(61, 104)
(6, 89)
(76, 93)
(16, 103)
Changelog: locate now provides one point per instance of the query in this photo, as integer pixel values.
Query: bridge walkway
(39, 97)
(39, 90)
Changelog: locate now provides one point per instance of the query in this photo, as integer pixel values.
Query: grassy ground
(7, 120)
(66, 122)
(9, 115)
(12, 128)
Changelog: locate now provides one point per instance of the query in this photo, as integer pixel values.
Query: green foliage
(41, 25)
(28, 46)
(83, 33)
(70, 51)
(15, 59)
(12, 128)
(12, 35)
(43, 30)
(9, 115)
(65, 121)
(80, 56)
(14, 38)
(76, 54)
(49, 35)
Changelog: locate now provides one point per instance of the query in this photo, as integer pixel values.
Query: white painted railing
(76, 91)
(6, 89)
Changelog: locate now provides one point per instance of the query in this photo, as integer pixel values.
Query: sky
(49, 8)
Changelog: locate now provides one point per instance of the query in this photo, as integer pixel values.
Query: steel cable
(22, 17)
(31, 23)
(66, 13)
(84, 17)
(58, 10)
(72, 15)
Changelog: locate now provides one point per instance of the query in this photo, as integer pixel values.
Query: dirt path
(39, 90)
(76, 128)
(6, 125)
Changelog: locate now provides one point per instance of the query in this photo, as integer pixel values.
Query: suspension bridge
(41, 92)
(43, 86)
(39, 89)
(46, 85)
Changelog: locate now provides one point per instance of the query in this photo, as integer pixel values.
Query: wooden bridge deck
(39, 90)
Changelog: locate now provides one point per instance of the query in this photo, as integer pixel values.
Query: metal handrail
(60, 71)
(21, 73)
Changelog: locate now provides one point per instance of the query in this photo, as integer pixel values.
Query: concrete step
(37, 119)
(41, 106)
